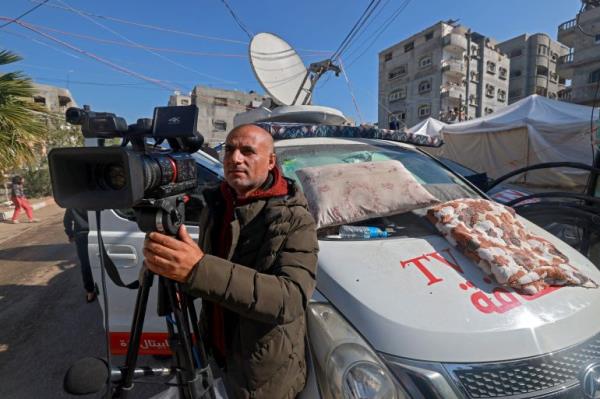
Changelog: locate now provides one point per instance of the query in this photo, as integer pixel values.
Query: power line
(24, 14)
(138, 45)
(238, 20)
(386, 24)
(95, 57)
(357, 25)
(351, 91)
(162, 57)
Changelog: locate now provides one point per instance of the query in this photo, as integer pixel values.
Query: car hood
(420, 298)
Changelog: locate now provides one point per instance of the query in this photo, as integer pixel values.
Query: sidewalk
(6, 212)
(44, 209)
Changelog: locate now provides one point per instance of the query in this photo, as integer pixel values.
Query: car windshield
(438, 180)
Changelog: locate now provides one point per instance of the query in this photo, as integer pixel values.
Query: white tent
(430, 127)
(530, 131)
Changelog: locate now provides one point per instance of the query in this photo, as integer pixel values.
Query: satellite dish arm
(317, 69)
(302, 86)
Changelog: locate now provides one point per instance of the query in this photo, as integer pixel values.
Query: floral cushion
(491, 235)
(346, 193)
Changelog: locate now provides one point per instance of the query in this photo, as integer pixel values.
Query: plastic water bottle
(362, 232)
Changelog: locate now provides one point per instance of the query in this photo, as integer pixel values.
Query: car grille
(549, 376)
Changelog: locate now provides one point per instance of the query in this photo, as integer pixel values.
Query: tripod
(194, 377)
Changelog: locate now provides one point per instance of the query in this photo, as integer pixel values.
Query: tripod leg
(137, 325)
(193, 378)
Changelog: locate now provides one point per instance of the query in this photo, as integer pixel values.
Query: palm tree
(21, 130)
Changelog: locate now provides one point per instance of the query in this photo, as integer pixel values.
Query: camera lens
(114, 176)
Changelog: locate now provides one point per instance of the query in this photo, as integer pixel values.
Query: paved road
(45, 323)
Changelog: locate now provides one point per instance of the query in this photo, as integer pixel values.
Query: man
(254, 266)
(77, 229)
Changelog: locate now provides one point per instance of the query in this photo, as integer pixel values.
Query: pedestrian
(254, 267)
(77, 229)
(18, 198)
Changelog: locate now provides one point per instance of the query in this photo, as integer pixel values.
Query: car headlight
(345, 365)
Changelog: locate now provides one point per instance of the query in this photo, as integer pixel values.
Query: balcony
(454, 68)
(452, 92)
(454, 42)
(564, 66)
(567, 32)
(565, 94)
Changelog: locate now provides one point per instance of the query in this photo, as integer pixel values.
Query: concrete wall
(454, 53)
(533, 63)
(217, 107)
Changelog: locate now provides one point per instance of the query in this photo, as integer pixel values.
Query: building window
(424, 110)
(501, 95)
(428, 36)
(488, 110)
(491, 67)
(541, 70)
(474, 77)
(63, 101)
(472, 99)
(396, 95)
(594, 76)
(220, 125)
(185, 101)
(39, 100)
(542, 91)
(562, 81)
(424, 86)
(474, 51)
(425, 62)
(397, 72)
(221, 101)
(489, 90)
(553, 77)
(516, 93)
(398, 116)
(554, 56)
(597, 38)
(515, 53)
(387, 56)
(409, 46)
(515, 74)
(542, 49)
(502, 73)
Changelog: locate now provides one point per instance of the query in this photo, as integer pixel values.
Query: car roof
(337, 141)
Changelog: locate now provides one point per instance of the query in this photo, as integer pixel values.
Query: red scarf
(279, 187)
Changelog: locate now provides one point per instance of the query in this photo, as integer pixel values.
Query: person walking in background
(18, 198)
(77, 229)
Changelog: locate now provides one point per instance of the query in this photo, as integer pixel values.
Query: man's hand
(172, 258)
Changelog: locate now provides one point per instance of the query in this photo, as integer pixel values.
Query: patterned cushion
(346, 193)
(491, 235)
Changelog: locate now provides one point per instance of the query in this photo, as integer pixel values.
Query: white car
(394, 317)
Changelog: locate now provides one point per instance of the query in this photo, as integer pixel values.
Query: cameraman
(254, 267)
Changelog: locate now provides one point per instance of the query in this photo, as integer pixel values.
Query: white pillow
(346, 193)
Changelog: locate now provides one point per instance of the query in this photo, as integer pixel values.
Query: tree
(22, 133)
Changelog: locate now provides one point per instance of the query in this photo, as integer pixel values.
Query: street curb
(6, 215)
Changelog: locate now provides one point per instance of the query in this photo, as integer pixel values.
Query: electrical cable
(360, 118)
(238, 20)
(343, 45)
(24, 14)
(162, 57)
(384, 26)
(95, 57)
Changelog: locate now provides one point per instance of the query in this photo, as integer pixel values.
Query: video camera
(138, 174)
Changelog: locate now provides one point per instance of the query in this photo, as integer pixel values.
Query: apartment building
(54, 99)
(533, 68)
(178, 99)
(445, 71)
(582, 64)
(217, 107)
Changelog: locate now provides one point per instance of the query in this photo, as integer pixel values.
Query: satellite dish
(279, 69)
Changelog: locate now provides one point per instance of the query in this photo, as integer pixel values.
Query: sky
(212, 50)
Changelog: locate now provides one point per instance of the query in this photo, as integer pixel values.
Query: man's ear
(272, 160)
